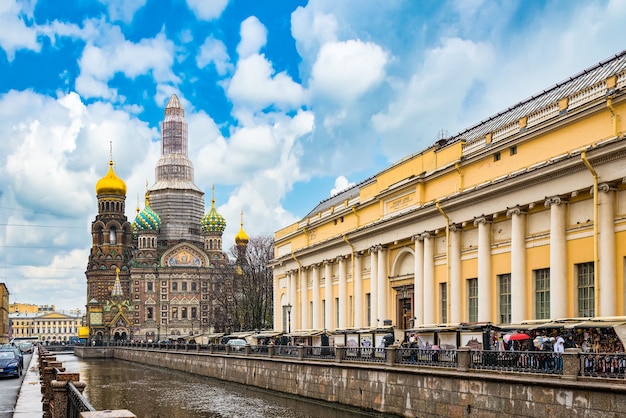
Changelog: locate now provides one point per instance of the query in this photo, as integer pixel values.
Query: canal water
(153, 392)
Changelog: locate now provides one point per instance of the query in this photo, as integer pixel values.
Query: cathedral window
(112, 235)
(183, 286)
(174, 313)
(194, 287)
(174, 286)
(183, 313)
(194, 313)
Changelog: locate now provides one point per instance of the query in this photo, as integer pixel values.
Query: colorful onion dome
(111, 184)
(241, 238)
(147, 219)
(213, 221)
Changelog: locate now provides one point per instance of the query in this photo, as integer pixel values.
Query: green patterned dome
(213, 221)
(147, 219)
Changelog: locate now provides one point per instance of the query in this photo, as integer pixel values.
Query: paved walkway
(29, 399)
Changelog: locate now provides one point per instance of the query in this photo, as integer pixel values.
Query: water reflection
(154, 392)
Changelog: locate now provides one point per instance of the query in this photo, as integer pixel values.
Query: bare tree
(254, 282)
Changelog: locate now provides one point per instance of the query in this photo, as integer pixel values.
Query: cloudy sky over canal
(287, 102)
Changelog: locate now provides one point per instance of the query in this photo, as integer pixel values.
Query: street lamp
(289, 317)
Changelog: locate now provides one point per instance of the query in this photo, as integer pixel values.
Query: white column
(304, 299)
(292, 290)
(429, 278)
(418, 281)
(315, 289)
(382, 285)
(558, 258)
(484, 269)
(454, 280)
(343, 293)
(518, 265)
(328, 295)
(373, 287)
(607, 275)
(357, 281)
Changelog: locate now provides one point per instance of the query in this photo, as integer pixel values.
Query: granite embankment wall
(398, 390)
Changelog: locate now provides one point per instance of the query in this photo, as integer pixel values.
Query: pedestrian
(559, 349)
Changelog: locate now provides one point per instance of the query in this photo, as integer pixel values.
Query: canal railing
(571, 364)
(62, 391)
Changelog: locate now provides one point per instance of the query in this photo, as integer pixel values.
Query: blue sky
(287, 102)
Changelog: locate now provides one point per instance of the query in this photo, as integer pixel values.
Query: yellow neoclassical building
(519, 217)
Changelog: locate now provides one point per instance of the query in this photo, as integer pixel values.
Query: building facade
(155, 278)
(50, 327)
(4, 314)
(519, 217)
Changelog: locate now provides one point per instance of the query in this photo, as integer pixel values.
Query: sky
(288, 102)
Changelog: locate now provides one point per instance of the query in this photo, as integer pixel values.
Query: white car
(236, 344)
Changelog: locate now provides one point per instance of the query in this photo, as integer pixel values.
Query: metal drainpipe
(447, 257)
(596, 281)
(345, 238)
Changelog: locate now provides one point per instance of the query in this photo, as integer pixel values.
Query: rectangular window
(324, 312)
(184, 286)
(513, 149)
(183, 313)
(496, 156)
(443, 296)
(149, 286)
(194, 313)
(336, 312)
(194, 287)
(174, 286)
(586, 289)
(542, 293)
(150, 313)
(174, 313)
(472, 300)
(504, 282)
(368, 309)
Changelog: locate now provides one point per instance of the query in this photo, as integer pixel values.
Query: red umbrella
(519, 337)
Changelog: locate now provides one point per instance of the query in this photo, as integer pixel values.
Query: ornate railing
(76, 402)
(596, 365)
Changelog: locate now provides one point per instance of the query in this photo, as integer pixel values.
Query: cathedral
(160, 276)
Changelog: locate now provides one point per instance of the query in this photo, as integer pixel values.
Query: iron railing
(76, 402)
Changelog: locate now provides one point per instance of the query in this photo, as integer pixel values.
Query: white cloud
(253, 37)
(346, 70)
(99, 64)
(207, 9)
(255, 85)
(341, 184)
(213, 51)
(123, 10)
(433, 95)
(15, 33)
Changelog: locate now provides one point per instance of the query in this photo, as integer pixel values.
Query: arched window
(113, 235)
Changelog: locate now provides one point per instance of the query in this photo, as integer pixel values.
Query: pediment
(185, 255)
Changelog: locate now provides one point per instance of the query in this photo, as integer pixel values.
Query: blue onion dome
(147, 219)
(213, 221)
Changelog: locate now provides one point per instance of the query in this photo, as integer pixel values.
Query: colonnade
(347, 314)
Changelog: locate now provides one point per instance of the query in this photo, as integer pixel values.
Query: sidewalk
(29, 399)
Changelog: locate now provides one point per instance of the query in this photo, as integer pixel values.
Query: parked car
(236, 344)
(10, 363)
(26, 347)
(14, 349)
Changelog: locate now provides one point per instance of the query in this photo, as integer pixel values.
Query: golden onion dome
(111, 184)
(241, 238)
